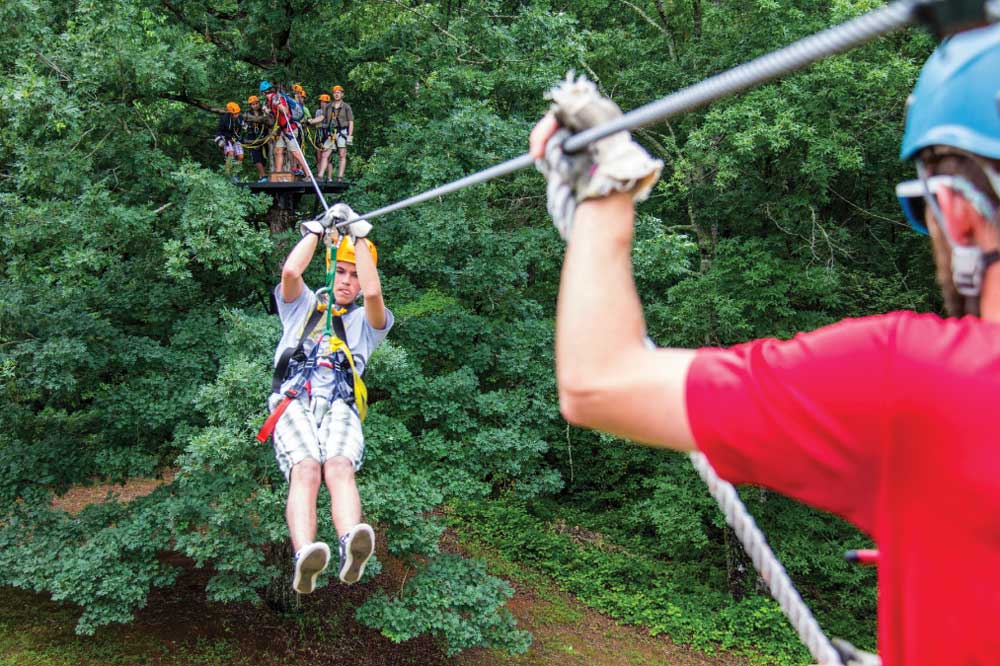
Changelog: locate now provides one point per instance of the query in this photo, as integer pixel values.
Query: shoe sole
(309, 568)
(361, 547)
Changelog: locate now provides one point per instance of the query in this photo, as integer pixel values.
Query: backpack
(295, 109)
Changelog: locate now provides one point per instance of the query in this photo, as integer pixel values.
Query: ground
(180, 627)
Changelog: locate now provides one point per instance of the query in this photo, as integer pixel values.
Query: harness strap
(267, 429)
(281, 367)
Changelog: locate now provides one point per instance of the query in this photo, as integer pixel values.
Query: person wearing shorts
(227, 135)
(325, 140)
(343, 126)
(257, 121)
(318, 436)
(284, 138)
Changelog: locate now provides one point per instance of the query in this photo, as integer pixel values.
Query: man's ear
(961, 218)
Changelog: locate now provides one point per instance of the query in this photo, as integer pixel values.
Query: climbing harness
(334, 329)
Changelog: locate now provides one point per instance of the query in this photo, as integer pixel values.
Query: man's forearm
(295, 265)
(599, 309)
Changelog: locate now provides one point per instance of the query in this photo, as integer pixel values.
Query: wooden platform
(296, 187)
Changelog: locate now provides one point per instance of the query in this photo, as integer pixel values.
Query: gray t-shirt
(362, 340)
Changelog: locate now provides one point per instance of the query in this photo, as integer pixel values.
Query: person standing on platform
(227, 135)
(287, 126)
(343, 126)
(258, 123)
(325, 140)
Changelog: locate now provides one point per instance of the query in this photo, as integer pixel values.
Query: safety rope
(767, 563)
(262, 139)
(793, 57)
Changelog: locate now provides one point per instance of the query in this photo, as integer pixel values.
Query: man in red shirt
(888, 421)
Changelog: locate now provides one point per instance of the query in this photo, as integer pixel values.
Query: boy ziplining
(318, 399)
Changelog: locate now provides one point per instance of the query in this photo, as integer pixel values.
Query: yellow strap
(360, 390)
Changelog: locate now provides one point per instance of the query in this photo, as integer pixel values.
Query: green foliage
(131, 336)
(683, 599)
(447, 599)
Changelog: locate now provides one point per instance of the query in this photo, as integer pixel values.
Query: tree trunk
(279, 595)
(279, 219)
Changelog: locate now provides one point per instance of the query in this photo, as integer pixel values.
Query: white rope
(766, 563)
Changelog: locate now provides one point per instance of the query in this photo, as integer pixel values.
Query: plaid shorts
(321, 431)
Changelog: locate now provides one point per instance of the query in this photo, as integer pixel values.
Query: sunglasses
(915, 195)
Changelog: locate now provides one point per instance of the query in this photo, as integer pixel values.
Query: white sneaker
(309, 563)
(355, 548)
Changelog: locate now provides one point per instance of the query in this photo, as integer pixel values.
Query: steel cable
(791, 58)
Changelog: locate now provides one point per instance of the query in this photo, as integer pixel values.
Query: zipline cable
(789, 59)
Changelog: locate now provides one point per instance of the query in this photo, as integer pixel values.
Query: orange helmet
(324, 98)
(232, 107)
(336, 88)
(253, 99)
(299, 89)
(346, 251)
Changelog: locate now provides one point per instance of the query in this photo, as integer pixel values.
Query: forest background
(134, 337)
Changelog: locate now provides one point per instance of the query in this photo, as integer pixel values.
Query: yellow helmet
(252, 98)
(324, 98)
(299, 89)
(233, 107)
(346, 251)
(336, 88)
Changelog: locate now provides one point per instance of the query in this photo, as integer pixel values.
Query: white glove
(343, 213)
(616, 162)
(350, 139)
(319, 225)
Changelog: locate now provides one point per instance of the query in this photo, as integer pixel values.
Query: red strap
(869, 557)
(272, 420)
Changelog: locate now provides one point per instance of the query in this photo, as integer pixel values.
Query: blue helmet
(955, 100)
(265, 85)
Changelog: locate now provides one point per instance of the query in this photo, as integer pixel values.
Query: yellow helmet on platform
(324, 98)
(233, 107)
(336, 88)
(253, 98)
(346, 251)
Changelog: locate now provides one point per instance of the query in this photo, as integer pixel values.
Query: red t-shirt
(892, 422)
(279, 107)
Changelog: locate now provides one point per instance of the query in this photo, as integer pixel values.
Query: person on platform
(258, 122)
(343, 127)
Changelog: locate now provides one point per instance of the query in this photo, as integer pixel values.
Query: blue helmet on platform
(265, 85)
(955, 100)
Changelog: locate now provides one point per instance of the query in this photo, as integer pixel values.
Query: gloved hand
(350, 139)
(615, 163)
(320, 225)
(344, 213)
(220, 141)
